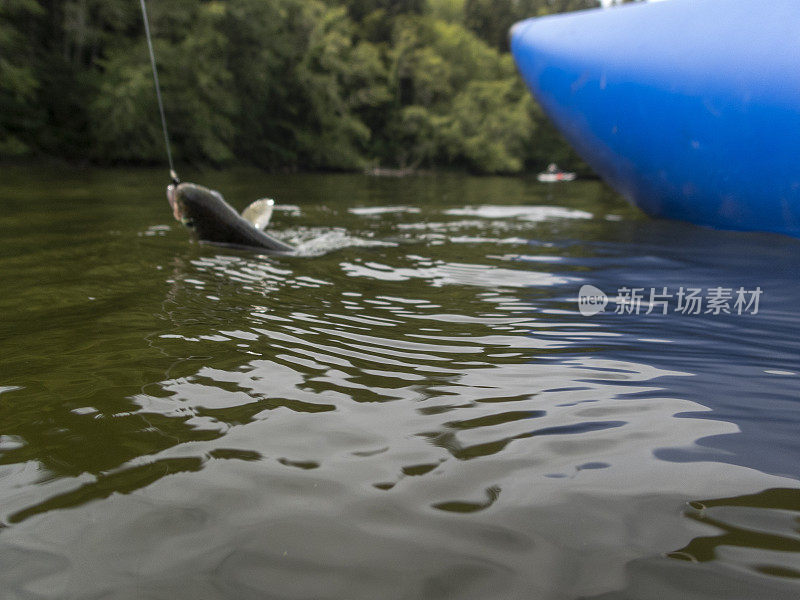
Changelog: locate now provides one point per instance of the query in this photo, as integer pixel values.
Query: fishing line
(173, 175)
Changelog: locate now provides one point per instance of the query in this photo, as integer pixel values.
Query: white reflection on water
(456, 274)
(382, 210)
(526, 213)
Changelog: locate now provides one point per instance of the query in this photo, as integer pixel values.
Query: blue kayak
(688, 108)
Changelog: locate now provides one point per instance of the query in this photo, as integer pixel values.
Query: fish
(214, 220)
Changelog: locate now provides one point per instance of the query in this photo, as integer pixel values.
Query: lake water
(412, 407)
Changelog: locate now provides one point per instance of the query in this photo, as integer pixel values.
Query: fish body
(214, 220)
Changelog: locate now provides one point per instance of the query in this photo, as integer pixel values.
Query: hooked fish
(214, 220)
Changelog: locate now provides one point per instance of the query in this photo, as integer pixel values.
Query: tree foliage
(18, 83)
(491, 20)
(282, 84)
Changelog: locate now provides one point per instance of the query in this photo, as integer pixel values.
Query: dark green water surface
(411, 407)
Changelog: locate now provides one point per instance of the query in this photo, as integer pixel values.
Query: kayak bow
(689, 108)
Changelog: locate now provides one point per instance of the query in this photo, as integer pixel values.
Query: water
(412, 408)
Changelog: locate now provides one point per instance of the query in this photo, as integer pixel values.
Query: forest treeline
(280, 84)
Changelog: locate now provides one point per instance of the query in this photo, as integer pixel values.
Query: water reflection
(768, 522)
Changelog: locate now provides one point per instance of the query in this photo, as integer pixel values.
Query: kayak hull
(689, 108)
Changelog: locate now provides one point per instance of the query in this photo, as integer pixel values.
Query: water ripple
(412, 405)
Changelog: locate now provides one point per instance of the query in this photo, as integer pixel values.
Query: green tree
(198, 96)
(458, 101)
(18, 82)
(283, 84)
(492, 19)
(68, 37)
(337, 78)
(489, 126)
(375, 18)
(451, 11)
(304, 82)
(265, 42)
